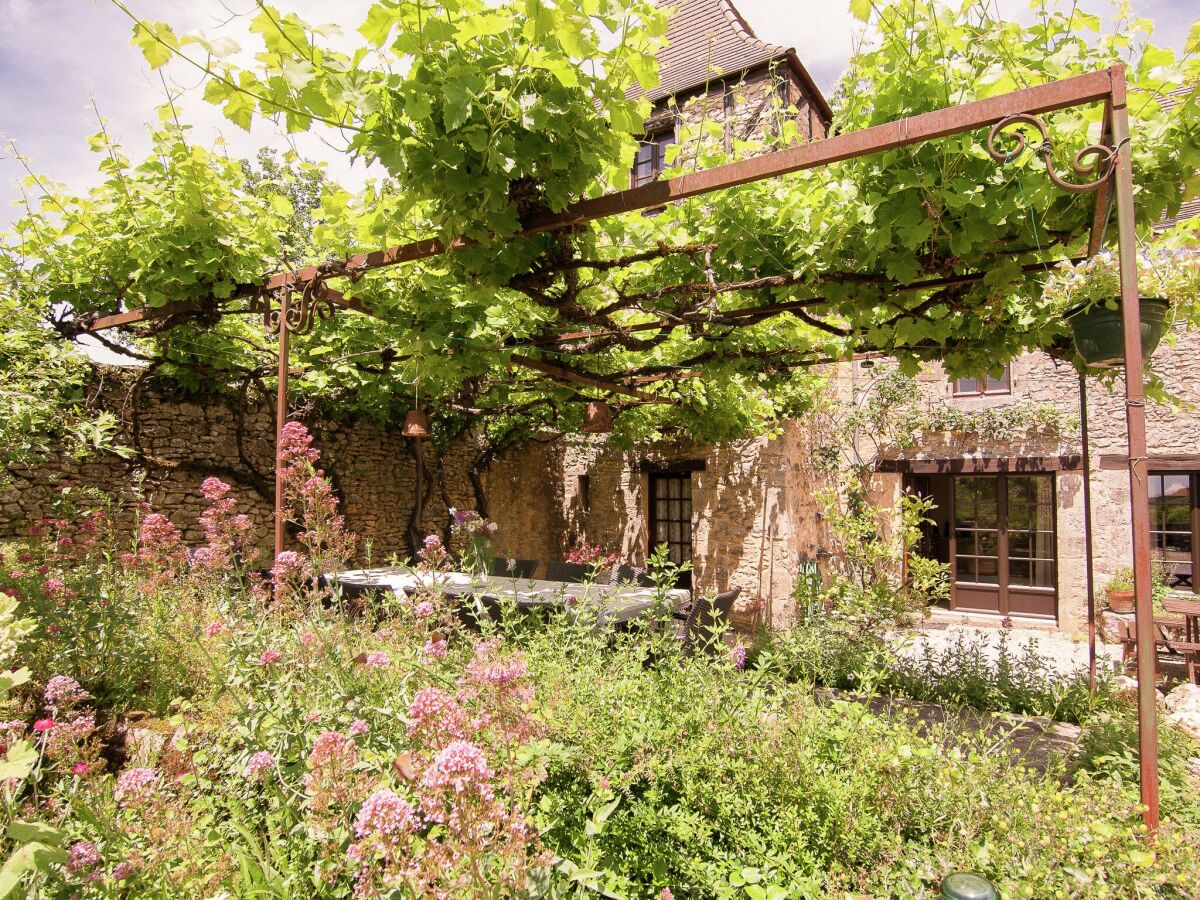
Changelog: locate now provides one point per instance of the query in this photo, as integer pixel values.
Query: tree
(485, 115)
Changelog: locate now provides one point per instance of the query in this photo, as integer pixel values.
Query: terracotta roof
(709, 39)
(1189, 209)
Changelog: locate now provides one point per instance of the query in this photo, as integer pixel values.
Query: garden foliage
(219, 736)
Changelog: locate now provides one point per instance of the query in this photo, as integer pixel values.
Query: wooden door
(1003, 557)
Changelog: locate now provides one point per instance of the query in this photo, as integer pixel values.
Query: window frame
(665, 477)
(659, 140)
(1005, 390)
(1157, 515)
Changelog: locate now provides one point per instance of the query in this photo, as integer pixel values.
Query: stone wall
(177, 442)
(754, 516)
(743, 110)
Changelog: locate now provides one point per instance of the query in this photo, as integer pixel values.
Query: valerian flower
(136, 786)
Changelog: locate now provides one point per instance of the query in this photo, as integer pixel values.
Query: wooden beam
(904, 132)
(1101, 206)
(1165, 462)
(977, 465)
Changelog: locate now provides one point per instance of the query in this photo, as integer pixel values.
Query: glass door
(1003, 548)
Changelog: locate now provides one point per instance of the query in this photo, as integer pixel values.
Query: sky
(57, 56)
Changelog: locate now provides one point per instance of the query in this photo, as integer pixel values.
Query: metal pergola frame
(1110, 163)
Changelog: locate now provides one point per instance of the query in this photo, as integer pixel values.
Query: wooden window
(987, 385)
(651, 157)
(1174, 521)
(671, 515)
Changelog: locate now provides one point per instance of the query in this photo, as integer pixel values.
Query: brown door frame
(679, 474)
(1002, 541)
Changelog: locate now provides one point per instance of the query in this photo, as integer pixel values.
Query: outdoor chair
(567, 571)
(705, 614)
(628, 573)
(513, 568)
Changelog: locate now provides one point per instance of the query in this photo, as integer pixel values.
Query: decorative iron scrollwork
(1096, 161)
(313, 303)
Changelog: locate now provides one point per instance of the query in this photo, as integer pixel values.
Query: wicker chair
(513, 568)
(629, 573)
(705, 613)
(567, 571)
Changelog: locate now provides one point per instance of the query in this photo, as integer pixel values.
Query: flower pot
(1100, 337)
(1120, 601)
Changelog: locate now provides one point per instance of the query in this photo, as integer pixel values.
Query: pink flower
(63, 691)
(358, 726)
(288, 565)
(43, 725)
(423, 610)
(269, 657)
(259, 763)
(489, 667)
(385, 634)
(295, 445)
(435, 717)
(666, 894)
(433, 650)
(135, 786)
(53, 629)
(311, 716)
(738, 656)
(53, 587)
(332, 747)
(82, 857)
(377, 660)
(461, 767)
(386, 815)
(80, 769)
(214, 628)
(122, 870)
(213, 489)
(308, 638)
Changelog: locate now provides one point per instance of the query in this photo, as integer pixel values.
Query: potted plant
(1088, 296)
(1119, 591)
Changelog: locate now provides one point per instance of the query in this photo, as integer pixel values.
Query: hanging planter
(1099, 333)
(1088, 295)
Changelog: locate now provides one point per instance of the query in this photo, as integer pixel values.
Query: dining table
(609, 604)
(1190, 645)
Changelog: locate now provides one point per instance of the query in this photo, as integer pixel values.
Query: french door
(1002, 547)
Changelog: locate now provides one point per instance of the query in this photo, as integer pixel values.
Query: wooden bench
(1164, 641)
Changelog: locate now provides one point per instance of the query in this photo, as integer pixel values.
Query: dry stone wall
(177, 442)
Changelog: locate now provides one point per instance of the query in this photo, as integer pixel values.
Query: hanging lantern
(598, 418)
(415, 424)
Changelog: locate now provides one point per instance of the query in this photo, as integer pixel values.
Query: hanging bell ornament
(415, 424)
(598, 418)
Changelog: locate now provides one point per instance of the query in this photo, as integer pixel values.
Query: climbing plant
(482, 117)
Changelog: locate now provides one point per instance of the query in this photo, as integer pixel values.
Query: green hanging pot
(1100, 337)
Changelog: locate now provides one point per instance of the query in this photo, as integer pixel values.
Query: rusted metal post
(1135, 418)
(281, 414)
(1087, 531)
